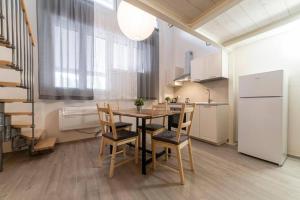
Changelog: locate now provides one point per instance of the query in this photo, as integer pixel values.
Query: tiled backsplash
(197, 92)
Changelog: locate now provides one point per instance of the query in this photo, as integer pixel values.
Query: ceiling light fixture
(135, 23)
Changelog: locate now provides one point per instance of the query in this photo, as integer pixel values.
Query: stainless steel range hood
(183, 77)
(186, 76)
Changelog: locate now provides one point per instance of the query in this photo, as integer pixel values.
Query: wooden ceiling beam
(170, 18)
(213, 12)
(263, 29)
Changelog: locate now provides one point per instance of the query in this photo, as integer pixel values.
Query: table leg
(110, 146)
(144, 162)
(2, 128)
(1, 148)
(170, 120)
(137, 125)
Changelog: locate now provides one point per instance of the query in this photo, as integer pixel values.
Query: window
(65, 69)
(121, 56)
(109, 64)
(100, 64)
(110, 4)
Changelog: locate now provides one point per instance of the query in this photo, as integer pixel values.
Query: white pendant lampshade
(135, 23)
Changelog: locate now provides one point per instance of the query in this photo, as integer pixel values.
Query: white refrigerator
(262, 116)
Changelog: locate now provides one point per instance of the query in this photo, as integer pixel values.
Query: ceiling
(248, 16)
(223, 22)
(187, 10)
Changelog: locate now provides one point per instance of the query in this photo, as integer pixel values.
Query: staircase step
(9, 84)
(45, 144)
(21, 125)
(28, 134)
(18, 113)
(14, 101)
(5, 44)
(5, 64)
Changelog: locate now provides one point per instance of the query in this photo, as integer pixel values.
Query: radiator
(78, 117)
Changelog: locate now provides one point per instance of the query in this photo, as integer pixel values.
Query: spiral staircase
(17, 57)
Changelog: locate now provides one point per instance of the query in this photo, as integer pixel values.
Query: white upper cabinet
(210, 67)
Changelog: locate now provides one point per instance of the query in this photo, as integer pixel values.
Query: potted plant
(168, 99)
(139, 102)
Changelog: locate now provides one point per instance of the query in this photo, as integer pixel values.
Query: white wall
(166, 59)
(276, 52)
(184, 42)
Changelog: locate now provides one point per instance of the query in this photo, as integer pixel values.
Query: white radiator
(78, 117)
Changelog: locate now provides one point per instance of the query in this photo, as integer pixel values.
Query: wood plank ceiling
(187, 10)
(222, 22)
(246, 17)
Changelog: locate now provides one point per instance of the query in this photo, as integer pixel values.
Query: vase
(139, 108)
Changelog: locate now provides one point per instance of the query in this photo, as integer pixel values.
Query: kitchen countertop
(203, 103)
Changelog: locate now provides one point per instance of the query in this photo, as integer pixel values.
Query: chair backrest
(114, 105)
(160, 107)
(185, 110)
(106, 120)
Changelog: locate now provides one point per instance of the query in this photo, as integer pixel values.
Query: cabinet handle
(213, 77)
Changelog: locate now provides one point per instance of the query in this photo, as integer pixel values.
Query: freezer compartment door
(268, 84)
(260, 128)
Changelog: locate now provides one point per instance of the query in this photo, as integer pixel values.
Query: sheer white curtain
(66, 49)
(115, 73)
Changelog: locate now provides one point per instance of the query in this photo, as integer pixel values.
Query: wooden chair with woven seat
(119, 124)
(176, 140)
(112, 136)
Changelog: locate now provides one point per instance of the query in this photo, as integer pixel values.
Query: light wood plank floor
(72, 172)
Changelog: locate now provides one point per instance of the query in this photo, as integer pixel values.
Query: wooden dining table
(144, 115)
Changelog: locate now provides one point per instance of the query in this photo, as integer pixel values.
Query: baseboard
(292, 156)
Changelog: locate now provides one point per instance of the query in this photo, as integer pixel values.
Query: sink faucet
(209, 100)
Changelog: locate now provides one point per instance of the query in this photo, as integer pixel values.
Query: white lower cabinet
(210, 123)
(195, 130)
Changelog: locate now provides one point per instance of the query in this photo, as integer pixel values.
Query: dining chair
(155, 128)
(119, 124)
(114, 137)
(176, 140)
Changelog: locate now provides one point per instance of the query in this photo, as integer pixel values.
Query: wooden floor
(72, 172)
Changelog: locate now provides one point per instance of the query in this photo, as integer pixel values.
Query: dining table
(143, 115)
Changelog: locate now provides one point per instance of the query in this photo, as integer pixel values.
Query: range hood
(183, 77)
(186, 76)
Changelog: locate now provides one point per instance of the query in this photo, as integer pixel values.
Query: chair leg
(191, 155)
(101, 147)
(136, 154)
(153, 155)
(167, 154)
(179, 160)
(124, 151)
(112, 161)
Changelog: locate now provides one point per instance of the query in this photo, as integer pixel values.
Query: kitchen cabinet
(210, 67)
(210, 123)
(195, 124)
